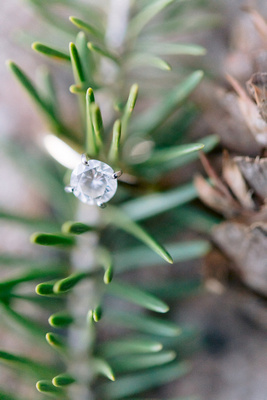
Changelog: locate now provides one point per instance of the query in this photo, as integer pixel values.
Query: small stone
(93, 183)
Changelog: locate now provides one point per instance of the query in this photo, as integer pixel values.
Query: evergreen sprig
(137, 363)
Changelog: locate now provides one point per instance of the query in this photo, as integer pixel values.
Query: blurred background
(232, 361)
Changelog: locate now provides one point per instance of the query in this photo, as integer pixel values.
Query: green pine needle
(131, 101)
(63, 380)
(105, 260)
(28, 276)
(32, 367)
(97, 314)
(160, 157)
(43, 301)
(60, 319)
(76, 64)
(50, 52)
(144, 323)
(141, 256)
(196, 218)
(36, 330)
(49, 239)
(138, 362)
(115, 143)
(103, 52)
(28, 221)
(75, 228)
(153, 204)
(48, 88)
(176, 289)
(79, 88)
(45, 288)
(178, 48)
(30, 88)
(137, 296)
(129, 346)
(91, 145)
(28, 85)
(87, 27)
(108, 275)
(132, 384)
(209, 143)
(48, 388)
(119, 219)
(154, 118)
(128, 110)
(97, 125)
(66, 284)
(140, 60)
(138, 23)
(101, 367)
(87, 60)
(56, 341)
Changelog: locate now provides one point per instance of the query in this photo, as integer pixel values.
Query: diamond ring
(93, 182)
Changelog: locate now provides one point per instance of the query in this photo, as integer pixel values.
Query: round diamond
(93, 183)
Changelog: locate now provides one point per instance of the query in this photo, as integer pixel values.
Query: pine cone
(240, 195)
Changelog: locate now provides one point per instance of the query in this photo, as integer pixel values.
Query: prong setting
(117, 174)
(102, 205)
(85, 160)
(69, 189)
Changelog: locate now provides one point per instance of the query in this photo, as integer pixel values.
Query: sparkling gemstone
(93, 183)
